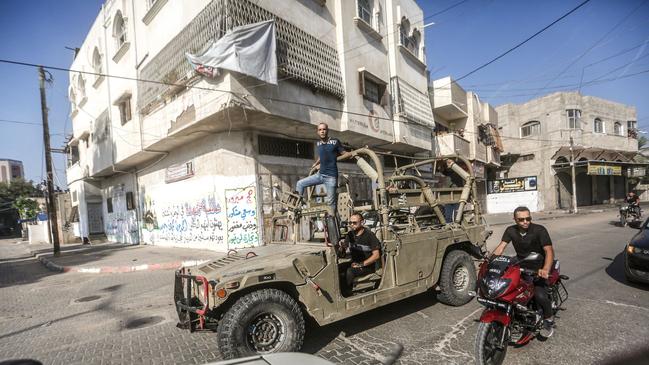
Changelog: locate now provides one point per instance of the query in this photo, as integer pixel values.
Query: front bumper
(191, 297)
(637, 267)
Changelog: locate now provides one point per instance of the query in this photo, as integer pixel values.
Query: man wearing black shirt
(634, 202)
(528, 237)
(364, 247)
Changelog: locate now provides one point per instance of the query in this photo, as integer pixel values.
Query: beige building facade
(537, 135)
(162, 155)
(11, 170)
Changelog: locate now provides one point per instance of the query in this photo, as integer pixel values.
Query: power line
(523, 42)
(19, 122)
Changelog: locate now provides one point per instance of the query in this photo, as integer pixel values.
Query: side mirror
(532, 257)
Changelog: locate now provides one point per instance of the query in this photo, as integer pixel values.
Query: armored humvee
(256, 299)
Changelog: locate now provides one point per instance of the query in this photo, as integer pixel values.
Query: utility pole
(51, 204)
(573, 176)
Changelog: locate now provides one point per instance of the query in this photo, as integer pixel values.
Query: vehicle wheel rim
(461, 278)
(265, 333)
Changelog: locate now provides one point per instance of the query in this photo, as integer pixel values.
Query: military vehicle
(257, 299)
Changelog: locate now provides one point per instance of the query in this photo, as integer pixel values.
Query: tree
(9, 192)
(27, 208)
(642, 141)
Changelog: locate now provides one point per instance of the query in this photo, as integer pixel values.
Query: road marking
(613, 303)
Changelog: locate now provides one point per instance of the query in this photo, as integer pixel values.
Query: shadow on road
(365, 321)
(616, 271)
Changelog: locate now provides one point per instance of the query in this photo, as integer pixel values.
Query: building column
(611, 184)
(593, 189)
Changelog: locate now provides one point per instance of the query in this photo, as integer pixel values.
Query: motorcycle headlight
(495, 287)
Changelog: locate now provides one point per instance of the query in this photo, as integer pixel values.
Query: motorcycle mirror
(532, 257)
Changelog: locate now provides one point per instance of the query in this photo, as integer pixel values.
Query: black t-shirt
(531, 241)
(361, 247)
(631, 200)
(328, 152)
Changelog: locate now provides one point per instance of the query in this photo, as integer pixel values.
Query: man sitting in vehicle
(634, 202)
(364, 247)
(528, 237)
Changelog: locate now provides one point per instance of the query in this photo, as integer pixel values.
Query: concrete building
(11, 170)
(537, 137)
(468, 127)
(179, 159)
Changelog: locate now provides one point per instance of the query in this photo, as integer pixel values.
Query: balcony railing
(300, 56)
(450, 144)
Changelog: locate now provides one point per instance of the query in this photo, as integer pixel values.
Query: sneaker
(547, 329)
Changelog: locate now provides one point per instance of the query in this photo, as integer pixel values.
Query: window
(630, 125)
(109, 205)
(96, 61)
(404, 32)
(130, 201)
(284, 147)
(413, 45)
(74, 155)
(532, 128)
(372, 88)
(125, 110)
(119, 30)
(598, 126)
(81, 83)
(574, 115)
(365, 10)
(617, 128)
(73, 99)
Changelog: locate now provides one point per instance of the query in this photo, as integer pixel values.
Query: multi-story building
(467, 127)
(537, 137)
(163, 155)
(11, 170)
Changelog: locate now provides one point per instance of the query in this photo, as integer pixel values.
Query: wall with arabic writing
(120, 224)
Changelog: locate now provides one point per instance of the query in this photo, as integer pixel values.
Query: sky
(604, 44)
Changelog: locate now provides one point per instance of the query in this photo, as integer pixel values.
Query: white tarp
(248, 49)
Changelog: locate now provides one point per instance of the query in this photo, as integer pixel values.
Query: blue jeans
(330, 183)
(449, 211)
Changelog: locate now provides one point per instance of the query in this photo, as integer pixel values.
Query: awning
(595, 154)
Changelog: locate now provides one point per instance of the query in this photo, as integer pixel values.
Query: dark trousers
(541, 296)
(353, 272)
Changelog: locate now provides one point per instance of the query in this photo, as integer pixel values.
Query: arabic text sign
(516, 184)
(603, 169)
(241, 209)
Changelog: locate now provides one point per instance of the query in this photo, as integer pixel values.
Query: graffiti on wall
(122, 227)
(242, 217)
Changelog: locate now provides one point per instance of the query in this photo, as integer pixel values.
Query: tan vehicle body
(414, 246)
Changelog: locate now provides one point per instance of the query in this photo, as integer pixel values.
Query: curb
(52, 266)
(563, 215)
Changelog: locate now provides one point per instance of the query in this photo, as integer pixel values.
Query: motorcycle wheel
(487, 340)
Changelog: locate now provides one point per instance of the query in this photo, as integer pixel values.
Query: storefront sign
(636, 171)
(516, 184)
(603, 169)
(179, 172)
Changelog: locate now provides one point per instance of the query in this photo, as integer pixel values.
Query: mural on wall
(242, 217)
(197, 214)
(121, 224)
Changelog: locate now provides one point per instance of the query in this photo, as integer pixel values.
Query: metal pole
(51, 206)
(573, 176)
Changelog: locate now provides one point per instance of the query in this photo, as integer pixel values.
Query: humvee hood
(258, 259)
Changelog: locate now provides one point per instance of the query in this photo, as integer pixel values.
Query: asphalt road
(129, 318)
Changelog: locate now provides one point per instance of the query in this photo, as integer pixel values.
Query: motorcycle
(628, 215)
(511, 315)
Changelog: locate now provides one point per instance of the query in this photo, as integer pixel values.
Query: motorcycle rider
(634, 202)
(528, 237)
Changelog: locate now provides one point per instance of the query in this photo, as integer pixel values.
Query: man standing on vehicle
(328, 151)
(634, 202)
(528, 237)
(364, 247)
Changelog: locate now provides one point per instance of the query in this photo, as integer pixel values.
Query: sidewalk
(119, 258)
(497, 219)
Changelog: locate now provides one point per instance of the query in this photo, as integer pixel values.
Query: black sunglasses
(528, 219)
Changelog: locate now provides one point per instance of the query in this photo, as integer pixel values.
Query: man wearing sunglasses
(364, 247)
(528, 237)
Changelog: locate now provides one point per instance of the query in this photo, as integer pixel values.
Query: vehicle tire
(486, 351)
(264, 321)
(457, 279)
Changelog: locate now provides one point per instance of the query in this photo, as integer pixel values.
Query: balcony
(493, 156)
(449, 99)
(452, 144)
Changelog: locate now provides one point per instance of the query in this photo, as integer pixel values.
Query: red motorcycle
(511, 315)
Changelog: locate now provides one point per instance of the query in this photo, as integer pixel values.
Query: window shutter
(385, 97)
(361, 82)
